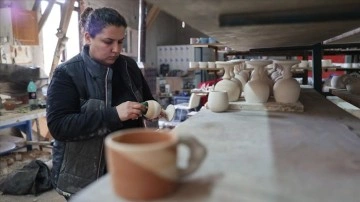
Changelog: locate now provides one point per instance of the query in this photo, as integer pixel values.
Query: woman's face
(106, 46)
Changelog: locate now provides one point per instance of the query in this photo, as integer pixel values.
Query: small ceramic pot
(154, 109)
(9, 104)
(203, 64)
(218, 101)
(193, 64)
(338, 82)
(211, 65)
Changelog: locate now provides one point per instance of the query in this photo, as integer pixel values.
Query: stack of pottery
(352, 82)
(286, 89)
(257, 90)
(240, 72)
(276, 72)
(228, 84)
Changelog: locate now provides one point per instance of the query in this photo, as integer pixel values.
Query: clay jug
(257, 90)
(286, 89)
(240, 72)
(352, 82)
(226, 84)
(338, 81)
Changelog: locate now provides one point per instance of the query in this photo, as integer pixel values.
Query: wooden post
(151, 16)
(46, 14)
(61, 34)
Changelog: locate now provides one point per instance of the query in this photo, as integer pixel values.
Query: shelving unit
(216, 48)
(274, 27)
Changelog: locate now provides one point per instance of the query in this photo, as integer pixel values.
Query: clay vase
(286, 89)
(257, 89)
(154, 109)
(9, 104)
(218, 101)
(352, 82)
(338, 82)
(226, 84)
(276, 72)
(240, 73)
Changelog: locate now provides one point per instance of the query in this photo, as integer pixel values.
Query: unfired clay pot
(226, 84)
(352, 82)
(218, 101)
(338, 82)
(286, 89)
(240, 73)
(154, 109)
(257, 90)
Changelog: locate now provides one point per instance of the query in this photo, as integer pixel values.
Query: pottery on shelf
(228, 84)
(257, 90)
(276, 72)
(154, 109)
(286, 89)
(218, 101)
(240, 72)
(352, 82)
(338, 81)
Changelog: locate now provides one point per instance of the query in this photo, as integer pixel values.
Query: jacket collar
(95, 69)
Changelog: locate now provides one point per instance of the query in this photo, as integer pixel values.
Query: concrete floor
(8, 163)
(49, 196)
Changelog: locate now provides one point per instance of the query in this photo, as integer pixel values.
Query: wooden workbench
(20, 119)
(268, 156)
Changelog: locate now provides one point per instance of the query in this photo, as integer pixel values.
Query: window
(49, 35)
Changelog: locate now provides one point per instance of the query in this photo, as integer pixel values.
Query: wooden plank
(271, 105)
(46, 13)
(151, 16)
(347, 96)
(36, 6)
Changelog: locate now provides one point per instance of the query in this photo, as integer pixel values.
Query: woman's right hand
(130, 110)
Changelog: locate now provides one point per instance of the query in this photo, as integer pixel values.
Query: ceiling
(255, 24)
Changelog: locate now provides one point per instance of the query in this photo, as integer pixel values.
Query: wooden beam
(36, 6)
(46, 13)
(61, 34)
(151, 16)
(344, 35)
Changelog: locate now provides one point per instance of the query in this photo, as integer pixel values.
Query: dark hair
(93, 21)
(83, 17)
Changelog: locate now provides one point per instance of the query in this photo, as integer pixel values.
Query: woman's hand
(130, 110)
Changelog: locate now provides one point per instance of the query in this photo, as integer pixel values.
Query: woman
(91, 95)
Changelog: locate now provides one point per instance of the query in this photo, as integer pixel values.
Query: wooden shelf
(207, 69)
(210, 45)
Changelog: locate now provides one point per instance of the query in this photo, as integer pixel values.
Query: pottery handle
(196, 156)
